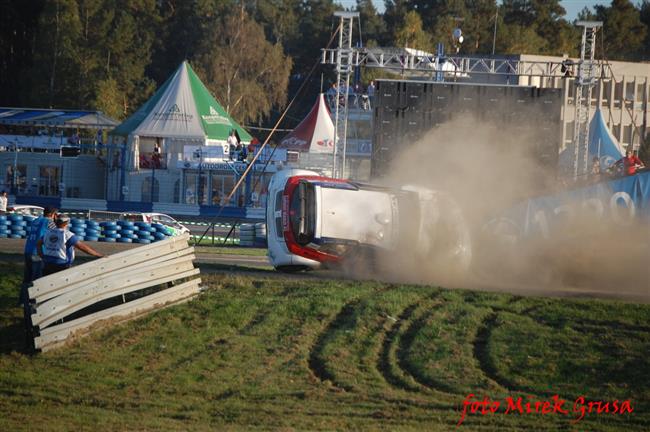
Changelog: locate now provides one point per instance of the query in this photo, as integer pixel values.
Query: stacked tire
(78, 227)
(162, 232)
(247, 234)
(93, 230)
(144, 233)
(18, 225)
(109, 232)
(4, 226)
(260, 234)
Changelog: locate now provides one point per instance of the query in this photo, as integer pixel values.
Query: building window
(177, 191)
(48, 183)
(17, 184)
(147, 195)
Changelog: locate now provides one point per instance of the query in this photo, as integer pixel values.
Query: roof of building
(56, 118)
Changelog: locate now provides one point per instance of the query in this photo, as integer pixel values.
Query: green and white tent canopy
(182, 108)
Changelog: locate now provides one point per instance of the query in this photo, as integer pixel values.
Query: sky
(572, 7)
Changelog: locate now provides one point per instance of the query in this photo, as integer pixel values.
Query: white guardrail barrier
(69, 303)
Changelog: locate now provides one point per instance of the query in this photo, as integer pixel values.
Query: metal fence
(110, 290)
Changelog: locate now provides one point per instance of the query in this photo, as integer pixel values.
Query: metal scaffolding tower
(346, 59)
(585, 81)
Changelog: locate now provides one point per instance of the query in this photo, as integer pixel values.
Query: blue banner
(621, 201)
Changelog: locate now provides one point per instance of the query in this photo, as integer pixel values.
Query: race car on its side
(315, 221)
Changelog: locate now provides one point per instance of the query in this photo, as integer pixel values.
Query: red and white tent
(315, 133)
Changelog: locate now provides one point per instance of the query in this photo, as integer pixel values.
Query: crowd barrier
(72, 302)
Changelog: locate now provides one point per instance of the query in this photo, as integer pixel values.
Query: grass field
(252, 354)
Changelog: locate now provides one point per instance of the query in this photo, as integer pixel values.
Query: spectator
(74, 139)
(156, 156)
(566, 67)
(331, 95)
(57, 247)
(371, 93)
(630, 163)
(232, 144)
(3, 202)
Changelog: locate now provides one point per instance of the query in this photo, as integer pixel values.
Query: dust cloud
(486, 171)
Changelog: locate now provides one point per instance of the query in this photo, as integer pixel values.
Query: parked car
(30, 210)
(161, 218)
(315, 221)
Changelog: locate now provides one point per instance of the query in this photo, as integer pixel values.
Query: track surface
(247, 264)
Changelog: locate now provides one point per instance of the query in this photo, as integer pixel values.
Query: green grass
(257, 353)
(231, 250)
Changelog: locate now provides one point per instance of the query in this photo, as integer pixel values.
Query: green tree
(394, 16)
(644, 15)
(623, 32)
(410, 33)
(18, 26)
(545, 19)
(373, 27)
(248, 74)
(55, 57)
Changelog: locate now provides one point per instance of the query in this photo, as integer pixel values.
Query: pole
(494, 36)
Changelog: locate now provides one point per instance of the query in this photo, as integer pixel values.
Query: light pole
(494, 35)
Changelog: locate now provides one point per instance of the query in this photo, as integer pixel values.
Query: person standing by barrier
(33, 263)
(3, 202)
(57, 246)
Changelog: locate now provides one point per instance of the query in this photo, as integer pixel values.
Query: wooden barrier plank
(44, 285)
(63, 305)
(56, 335)
(41, 297)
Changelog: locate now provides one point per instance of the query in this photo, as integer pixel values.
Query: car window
(278, 201)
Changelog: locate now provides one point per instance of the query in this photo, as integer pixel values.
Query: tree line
(111, 55)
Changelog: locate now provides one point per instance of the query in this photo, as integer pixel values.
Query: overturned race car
(315, 221)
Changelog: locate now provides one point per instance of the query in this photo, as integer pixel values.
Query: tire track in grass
(481, 355)
(316, 362)
(405, 343)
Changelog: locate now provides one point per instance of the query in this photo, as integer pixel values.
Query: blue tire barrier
(81, 238)
(79, 226)
(159, 226)
(107, 239)
(124, 240)
(92, 224)
(18, 230)
(15, 217)
(126, 224)
(15, 236)
(4, 222)
(108, 224)
(20, 223)
(29, 219)
(4, 229)
(126, 231)
(148, 229)
(92, 238)
(143, 241)
(76, 221)
(129, 236)
(111, 234)
(3, 218)
(92, 232)
(159, 236)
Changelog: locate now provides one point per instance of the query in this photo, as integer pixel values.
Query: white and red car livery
(314, 220)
